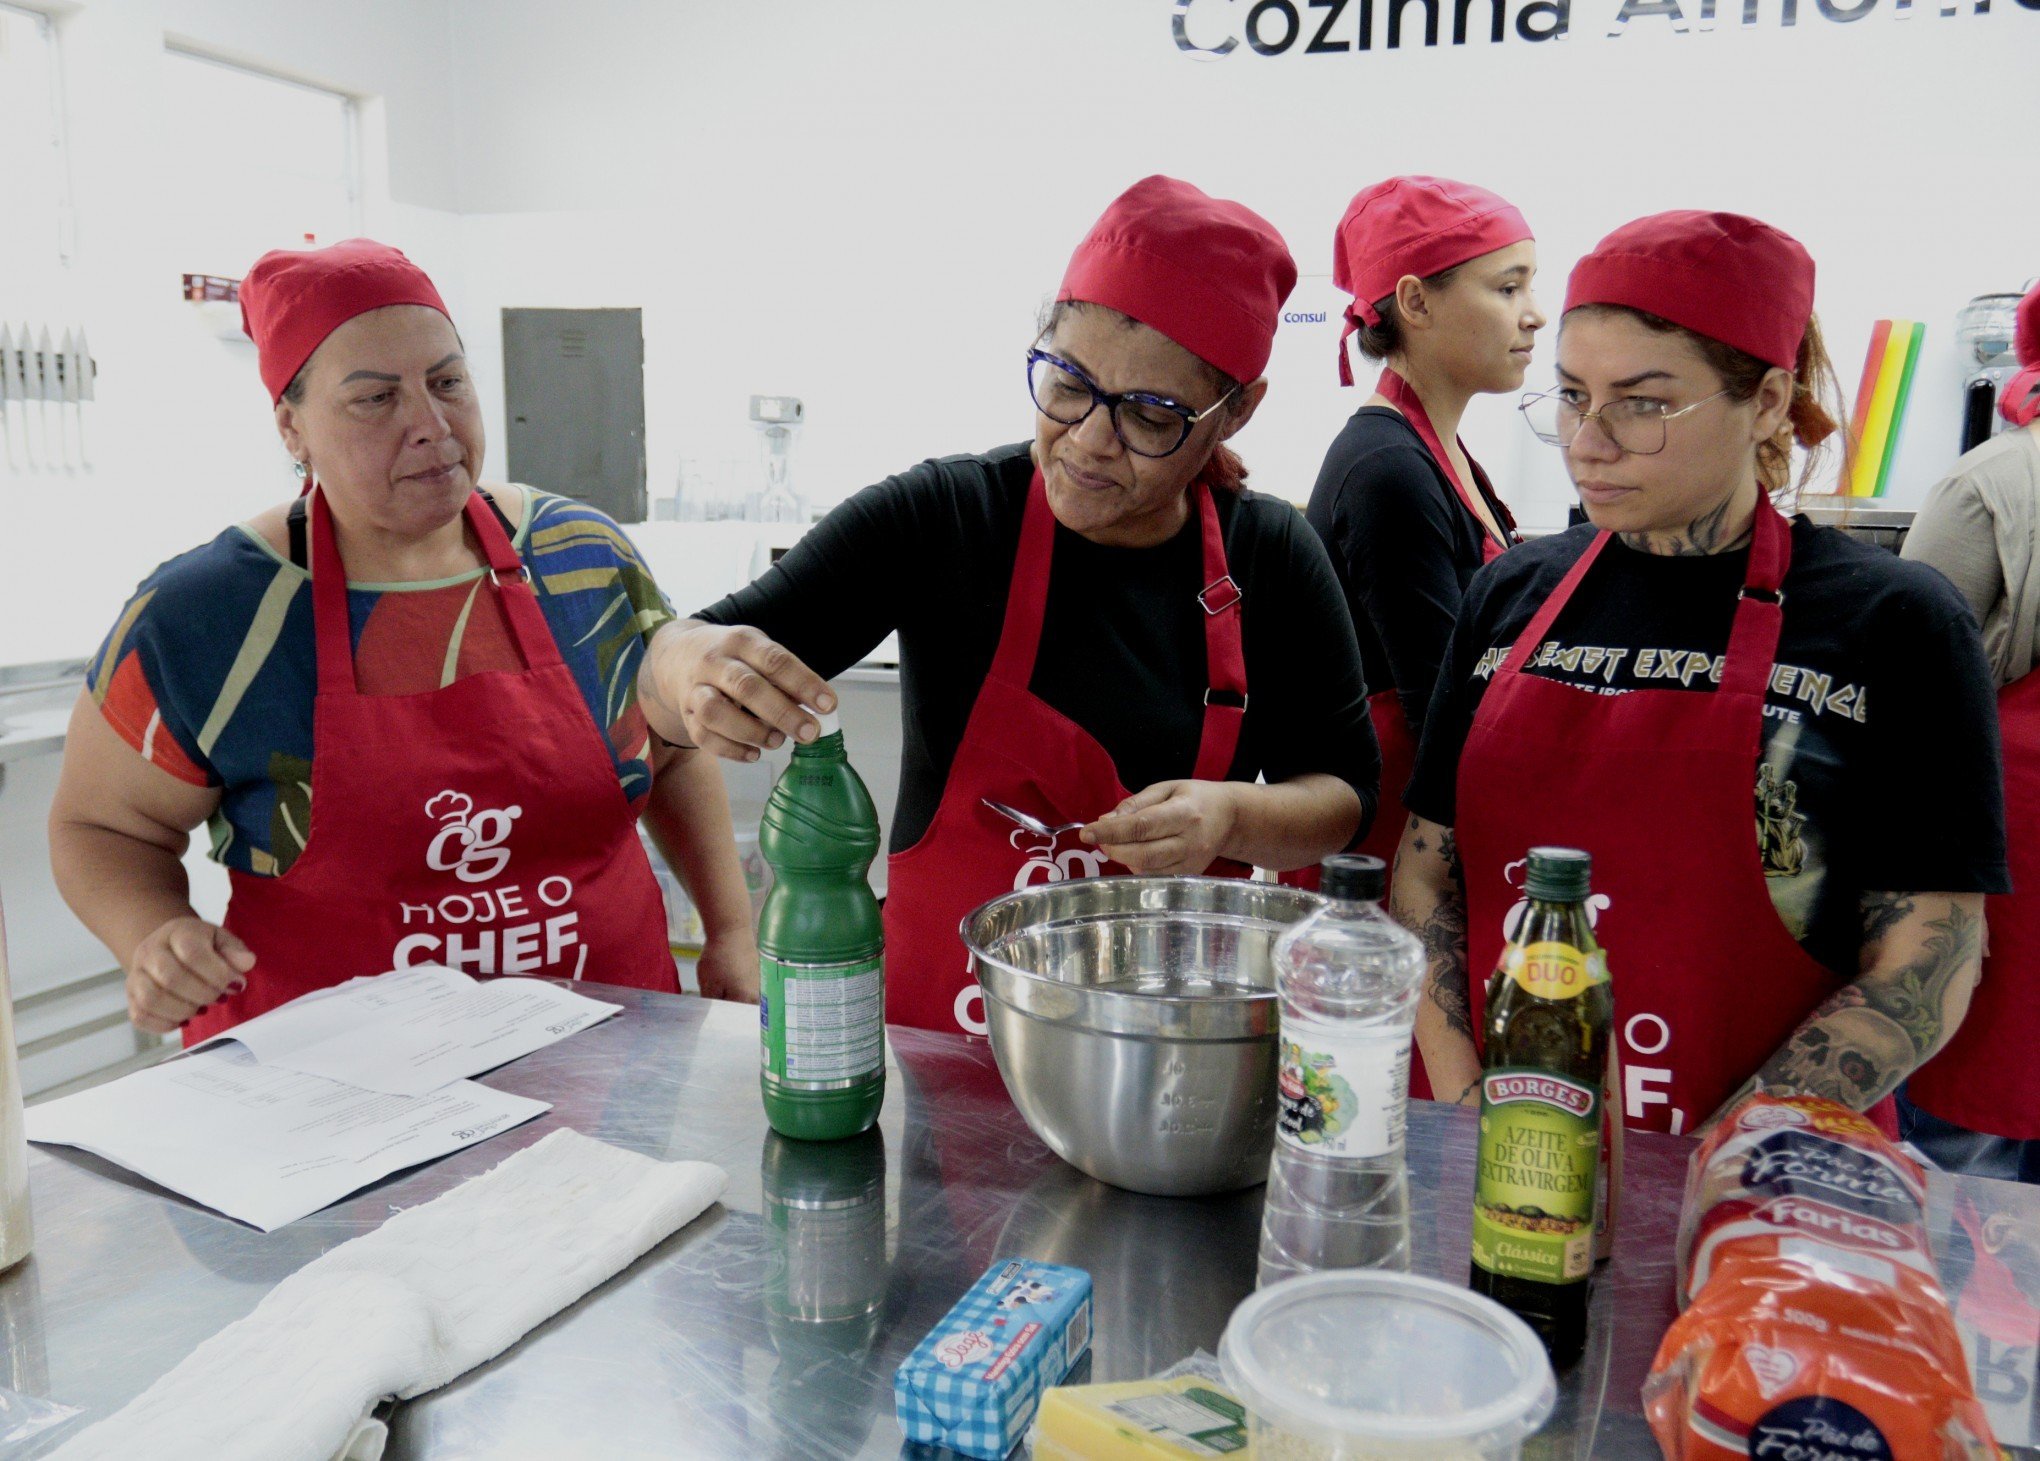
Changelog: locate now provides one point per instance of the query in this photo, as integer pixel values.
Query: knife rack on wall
(40, 369)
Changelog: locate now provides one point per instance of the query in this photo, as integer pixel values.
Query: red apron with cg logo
(1019, 750)
(1659, 786)
(480, 826)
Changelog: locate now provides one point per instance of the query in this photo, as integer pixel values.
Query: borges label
(1566, 1095)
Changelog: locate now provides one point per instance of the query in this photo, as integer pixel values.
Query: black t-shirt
(1403, 544)
(929, 553)
(1880, 768)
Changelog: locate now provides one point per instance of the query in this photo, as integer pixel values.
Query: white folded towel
(432, 1293)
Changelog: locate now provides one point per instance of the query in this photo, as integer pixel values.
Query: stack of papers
(295, 1109)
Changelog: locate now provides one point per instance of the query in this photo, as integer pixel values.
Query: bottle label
(1554, 970)
(1343, 1094)
(1533, 1202)
(823, 1023)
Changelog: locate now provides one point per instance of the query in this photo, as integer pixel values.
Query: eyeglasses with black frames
(1148, 425)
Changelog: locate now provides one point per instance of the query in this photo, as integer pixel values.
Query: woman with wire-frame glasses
(1100, 630)
(1633, 686)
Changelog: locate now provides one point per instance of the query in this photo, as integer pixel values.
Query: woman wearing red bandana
(404, 702)
(1777, 743)
(1976, 1106)
(1097, 627)
(1440, 274)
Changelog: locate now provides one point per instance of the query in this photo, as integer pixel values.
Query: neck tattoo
(1707, 534)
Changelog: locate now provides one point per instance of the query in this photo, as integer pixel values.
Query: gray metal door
(574, 397)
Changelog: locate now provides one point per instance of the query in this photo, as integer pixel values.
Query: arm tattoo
(1882, 912)
(1706, 534)
(1442, 932)
(1866, 1038)
(1443, 936)
(1915, 997)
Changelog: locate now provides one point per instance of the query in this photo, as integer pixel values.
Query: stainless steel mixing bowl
(1134, 1020)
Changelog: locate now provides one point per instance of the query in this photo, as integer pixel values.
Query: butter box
(973, 1383)
(1180, 1419)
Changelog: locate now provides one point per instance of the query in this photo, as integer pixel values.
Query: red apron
(1986, 1078)
(1658, 786)
(1384, 707)
(1018, 750)
(480, 826)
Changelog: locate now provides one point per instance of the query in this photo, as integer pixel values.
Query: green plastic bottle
(822, 999)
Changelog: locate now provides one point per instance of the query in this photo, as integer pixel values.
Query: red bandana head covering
(1208, 273)
(1412, 225)
(1730, 278)
(293, 299)
(2019, 401)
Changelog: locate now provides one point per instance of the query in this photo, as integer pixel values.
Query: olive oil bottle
(1538, 1182)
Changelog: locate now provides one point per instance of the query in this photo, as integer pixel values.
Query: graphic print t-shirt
(210, 672)
(1879, 768)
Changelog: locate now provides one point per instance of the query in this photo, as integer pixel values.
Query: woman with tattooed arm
(1779, 745)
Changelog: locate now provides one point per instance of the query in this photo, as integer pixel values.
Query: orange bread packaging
(1814, 1326)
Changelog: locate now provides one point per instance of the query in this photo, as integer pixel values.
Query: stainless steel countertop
(771, 1326)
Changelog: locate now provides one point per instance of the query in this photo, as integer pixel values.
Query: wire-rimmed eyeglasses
(1636, 424)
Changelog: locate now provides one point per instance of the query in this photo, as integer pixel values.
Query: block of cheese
(974, 1382)
(1183, 1419)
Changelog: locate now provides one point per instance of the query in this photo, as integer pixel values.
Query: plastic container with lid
(1367, 1365)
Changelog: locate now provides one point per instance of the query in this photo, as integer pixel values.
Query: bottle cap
(1354, 876)
(1559, 874)
(831, 723)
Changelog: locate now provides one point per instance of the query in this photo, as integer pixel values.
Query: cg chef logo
(1045, 864)
(469, 844)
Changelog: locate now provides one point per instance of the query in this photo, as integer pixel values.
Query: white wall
(180, 437)
(865, 205)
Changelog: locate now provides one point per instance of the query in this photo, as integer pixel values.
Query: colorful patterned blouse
(210, 673)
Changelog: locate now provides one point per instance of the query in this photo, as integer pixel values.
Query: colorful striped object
(1881, 399)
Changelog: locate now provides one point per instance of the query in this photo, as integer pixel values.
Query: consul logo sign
(1209, 30)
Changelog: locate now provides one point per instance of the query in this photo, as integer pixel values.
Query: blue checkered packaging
(974, 1382)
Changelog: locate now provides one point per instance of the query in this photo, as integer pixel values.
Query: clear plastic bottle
(1348, 976)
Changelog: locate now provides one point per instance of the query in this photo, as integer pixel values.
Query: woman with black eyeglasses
(1779, 744)
(1099, 627)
